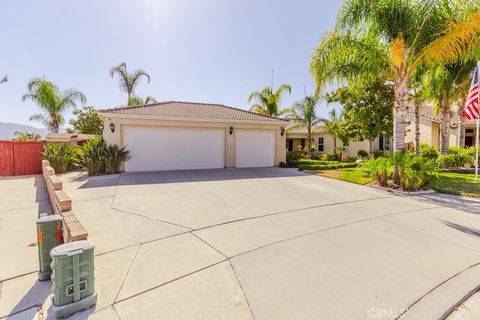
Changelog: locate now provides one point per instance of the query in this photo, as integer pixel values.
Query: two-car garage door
(177, 148)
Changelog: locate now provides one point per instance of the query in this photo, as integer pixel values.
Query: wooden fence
(20, 157)
(61, 203)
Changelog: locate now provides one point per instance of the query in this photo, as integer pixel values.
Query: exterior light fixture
(282, 131)
(112, 127)
(231, 130)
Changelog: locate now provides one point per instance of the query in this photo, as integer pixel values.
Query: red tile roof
(191, 110)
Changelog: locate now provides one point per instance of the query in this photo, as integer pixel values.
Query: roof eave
(153, 117)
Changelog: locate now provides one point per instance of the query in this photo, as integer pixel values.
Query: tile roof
(191, 110)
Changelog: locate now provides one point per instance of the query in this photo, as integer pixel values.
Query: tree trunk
(444, 126)
(370, 146)
(461, 125)
(400, 106)
(309, 140)
(417, 128)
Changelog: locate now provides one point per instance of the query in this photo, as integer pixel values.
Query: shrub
(415, 173)
(294, 155)
(379, 169)
(114, 157)
(62, 157)
(328, 166)
(378, 154)
(363, 154)
(428, 152)
(92, 155)
(351, 159)
(464, 157)
(332, 156)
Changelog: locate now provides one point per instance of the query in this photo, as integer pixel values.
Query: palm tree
(52, 101)
(135, 100)
(417, 98)
(268, 101)
(394, 37)
(440, 85)
(128, 81)
(306, 116)
(332, 125)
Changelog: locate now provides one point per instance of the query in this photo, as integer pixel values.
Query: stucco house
(429, 133)
(176, 135)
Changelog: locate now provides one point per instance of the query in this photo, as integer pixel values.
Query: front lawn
(447, 182)
(457, 183)
(354, 175)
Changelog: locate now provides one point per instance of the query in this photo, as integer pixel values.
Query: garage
(168, 148)
(177, 135)
(254, 148)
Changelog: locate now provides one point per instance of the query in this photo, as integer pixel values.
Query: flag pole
(477, 145)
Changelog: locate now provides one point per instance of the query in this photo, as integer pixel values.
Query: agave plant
(114, 157)
(62, 157)
(92, 155)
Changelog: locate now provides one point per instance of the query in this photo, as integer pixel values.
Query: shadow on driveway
(182, 176)
(471, 205)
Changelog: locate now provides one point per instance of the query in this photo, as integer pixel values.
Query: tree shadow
(461, 203)
(471, 231)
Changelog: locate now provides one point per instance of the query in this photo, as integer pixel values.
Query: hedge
(338, 165)
(303, 162)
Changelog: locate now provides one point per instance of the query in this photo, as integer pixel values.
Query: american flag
(471, 107)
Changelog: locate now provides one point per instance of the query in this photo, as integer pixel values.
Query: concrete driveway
(269, 244)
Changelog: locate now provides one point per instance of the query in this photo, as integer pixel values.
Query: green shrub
(331, 156)
(294, 155)
(332, 165)
(363, 154)
(415, 172)
(428, 152)
(458, 157)
(378, 154)
(114, 157)
(92, 155)
(380, 169)
(62, 157)
(351, 159)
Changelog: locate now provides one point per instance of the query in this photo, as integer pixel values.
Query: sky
(213, 51)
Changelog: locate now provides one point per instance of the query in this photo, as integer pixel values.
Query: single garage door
(164, 148)
(254, 148)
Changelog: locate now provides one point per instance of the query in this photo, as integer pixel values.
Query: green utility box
(49, 235)
(73, 287)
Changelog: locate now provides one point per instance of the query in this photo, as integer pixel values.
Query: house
(71, 138)
(429, 133)
(178, 135)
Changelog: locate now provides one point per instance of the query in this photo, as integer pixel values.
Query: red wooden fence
(20, 157)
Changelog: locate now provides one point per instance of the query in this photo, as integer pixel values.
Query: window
(321, 144)
(346, 145)
(302, 143)
(387, 142)
(290, 144)
(469, 131)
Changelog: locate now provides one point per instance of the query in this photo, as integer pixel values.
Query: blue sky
(194, 50)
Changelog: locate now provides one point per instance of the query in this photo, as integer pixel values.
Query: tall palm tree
(306, 116)
(268, 101)
(128, 81)
(441, 85)
(52, 101)
(394, 37)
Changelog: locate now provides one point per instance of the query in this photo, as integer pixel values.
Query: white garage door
(254, 148)
(164, 148)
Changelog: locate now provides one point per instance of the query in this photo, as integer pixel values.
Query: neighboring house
(429, 133)
(184, 135)
(72, 138)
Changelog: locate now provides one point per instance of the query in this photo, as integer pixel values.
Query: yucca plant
(92, 155)
(62, 157)
(114, 157)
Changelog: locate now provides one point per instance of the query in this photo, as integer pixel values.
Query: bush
(363, 154)
(379, 169)
(463, 157)
(329, 166)
(331, 156)
(62, 157)
(415, 173)
(114, 157)
(294, 155)
(351, 159)
(92, 155)
(428, 152)
(378, 154)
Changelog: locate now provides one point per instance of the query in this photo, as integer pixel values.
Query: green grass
(457, 183)
(353, 175)
(447, 182)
